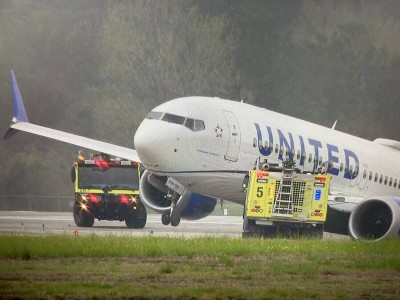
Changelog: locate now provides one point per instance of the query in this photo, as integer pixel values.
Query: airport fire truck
(284, 201)
(107, 189)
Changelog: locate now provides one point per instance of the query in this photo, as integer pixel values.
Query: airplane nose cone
(154, 143)
(145, 141)
(161, 146)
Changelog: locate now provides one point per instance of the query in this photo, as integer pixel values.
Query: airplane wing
(20, 123)
(344, 207)
(342, 202)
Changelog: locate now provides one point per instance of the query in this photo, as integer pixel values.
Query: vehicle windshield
(122, 177)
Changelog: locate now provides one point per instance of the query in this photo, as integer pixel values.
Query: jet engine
(153, 192)
(375, 219)
(156, 195)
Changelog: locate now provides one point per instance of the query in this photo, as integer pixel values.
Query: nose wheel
(179, 197)
(166, 218)
(175, 219)
(170, 218)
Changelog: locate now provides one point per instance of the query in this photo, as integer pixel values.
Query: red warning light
(320, 179)
(124, 199)
(93, 199)
(101, 163)
(261, 174)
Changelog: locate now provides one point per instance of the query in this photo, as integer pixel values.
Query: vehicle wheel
(82, 218)
(140, 218)
(129, 220)
(166, 218)
(270, 231)
(137, 219)
(250, 229)
(312, 232)
(319, 231)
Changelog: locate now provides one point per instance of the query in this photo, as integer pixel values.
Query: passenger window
(189, 123)
(386, 180)
(266, 145)
(281, 151)
(310, 158)
(370, 176)
(341, 167)
(276, 148)
(199, 125)
(254, 142)
(364, 174)
(154, 115)
(381, 178)
(320, 160)
(298, 154)
(390, 181)
(376, 177)
(395, 183)
(173, 119)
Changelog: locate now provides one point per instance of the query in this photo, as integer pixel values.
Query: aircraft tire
(166, 218)
(175, 220)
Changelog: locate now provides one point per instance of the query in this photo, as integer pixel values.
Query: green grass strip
(53, 267)
(384, 254)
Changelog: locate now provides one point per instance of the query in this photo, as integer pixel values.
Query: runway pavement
(31, 222)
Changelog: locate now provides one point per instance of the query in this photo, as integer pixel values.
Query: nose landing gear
(179, 201)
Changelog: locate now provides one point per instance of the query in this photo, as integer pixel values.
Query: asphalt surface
(31, 222)
(34, 223)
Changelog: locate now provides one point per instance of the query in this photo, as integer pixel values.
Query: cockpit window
(189, 123)
(199, 125)
(194, 125)
(154, 115)
(173, 119)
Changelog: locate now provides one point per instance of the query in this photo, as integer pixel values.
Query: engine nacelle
(376, 219)
(153, 193)
(199, 206)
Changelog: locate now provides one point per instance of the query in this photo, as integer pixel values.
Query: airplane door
(232, 150)
(363, 177)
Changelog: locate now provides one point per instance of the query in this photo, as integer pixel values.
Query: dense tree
(156, 51)
(96, 68)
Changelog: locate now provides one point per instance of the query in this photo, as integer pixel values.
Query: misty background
(96, 68)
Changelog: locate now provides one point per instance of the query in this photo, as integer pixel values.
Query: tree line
(96, 68)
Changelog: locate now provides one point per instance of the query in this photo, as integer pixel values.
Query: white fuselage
(214, 160)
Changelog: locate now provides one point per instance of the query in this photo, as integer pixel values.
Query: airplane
(197, 150)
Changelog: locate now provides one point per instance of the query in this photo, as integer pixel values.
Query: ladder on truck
(283, 205)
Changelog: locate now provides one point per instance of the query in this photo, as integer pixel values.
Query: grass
(197, 268)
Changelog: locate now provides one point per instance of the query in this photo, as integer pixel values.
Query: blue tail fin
(19, 113)
(18, 106)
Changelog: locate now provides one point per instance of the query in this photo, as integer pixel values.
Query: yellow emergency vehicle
(107, 189)
(285, 201)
